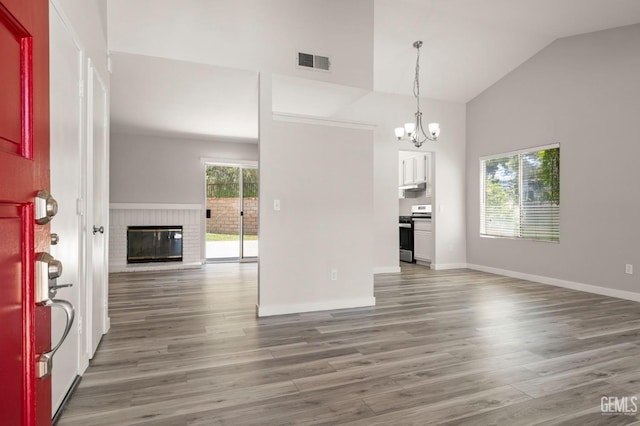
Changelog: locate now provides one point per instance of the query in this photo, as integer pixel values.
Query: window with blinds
(520, 194)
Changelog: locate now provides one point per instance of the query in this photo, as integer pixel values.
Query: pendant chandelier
(415, 132)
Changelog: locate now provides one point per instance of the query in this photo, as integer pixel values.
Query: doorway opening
(231, 225)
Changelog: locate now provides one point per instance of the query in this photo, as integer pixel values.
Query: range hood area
(414, 173)
(414, 187)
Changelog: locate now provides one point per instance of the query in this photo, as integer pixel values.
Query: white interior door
(66, 186)
(98, 208)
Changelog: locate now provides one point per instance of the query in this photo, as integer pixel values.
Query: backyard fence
(225, 216)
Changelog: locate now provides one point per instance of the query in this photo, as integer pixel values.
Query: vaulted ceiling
(468, 46)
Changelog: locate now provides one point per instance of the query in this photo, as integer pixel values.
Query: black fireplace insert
(154, 244)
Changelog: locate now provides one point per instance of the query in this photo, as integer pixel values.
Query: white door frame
(69, 362)
(95, 331)
(242, 164)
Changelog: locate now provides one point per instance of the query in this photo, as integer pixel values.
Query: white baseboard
(297, 308)
(150, 267)
(588, 288)
(443, 266)
(386, 270)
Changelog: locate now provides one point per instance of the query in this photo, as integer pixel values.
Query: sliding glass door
(232, 213)
(249, 213)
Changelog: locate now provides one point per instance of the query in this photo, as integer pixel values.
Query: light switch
(276, 205)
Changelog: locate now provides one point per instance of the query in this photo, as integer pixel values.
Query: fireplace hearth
(154, 244)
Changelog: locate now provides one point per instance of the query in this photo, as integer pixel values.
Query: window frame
(482, 189)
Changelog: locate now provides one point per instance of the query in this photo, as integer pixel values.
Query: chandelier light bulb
(410, 128)
(399, 132)
(434, 130)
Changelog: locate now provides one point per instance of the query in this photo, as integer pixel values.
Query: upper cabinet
(408, 171)
(421, 168)
(416, 170)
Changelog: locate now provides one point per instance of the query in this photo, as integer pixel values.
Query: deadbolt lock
(47, 269)
(46, 207)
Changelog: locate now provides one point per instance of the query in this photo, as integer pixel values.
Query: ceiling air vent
(308, 60)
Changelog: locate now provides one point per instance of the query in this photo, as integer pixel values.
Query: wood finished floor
(441, 347)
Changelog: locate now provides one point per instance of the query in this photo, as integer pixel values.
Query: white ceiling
(471, 44)
(165, 96)
(468, 46)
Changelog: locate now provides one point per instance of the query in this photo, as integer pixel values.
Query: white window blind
(520, 194)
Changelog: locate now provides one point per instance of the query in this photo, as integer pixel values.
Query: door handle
(44, 364)
(96, 230)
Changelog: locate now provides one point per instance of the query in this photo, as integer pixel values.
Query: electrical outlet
(276, 205)
(334, 275)
(628, 269)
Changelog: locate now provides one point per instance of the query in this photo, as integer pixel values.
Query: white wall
(251, 34)
(388, 111)
(322, 176)
(584, 93)
(156, 169)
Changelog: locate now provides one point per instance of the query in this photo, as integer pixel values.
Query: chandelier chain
(416, 79)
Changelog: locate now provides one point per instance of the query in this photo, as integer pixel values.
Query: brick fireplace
(190, 217)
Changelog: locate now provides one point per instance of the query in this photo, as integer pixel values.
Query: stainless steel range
(418, 211)
(406, 239)
(421, 211)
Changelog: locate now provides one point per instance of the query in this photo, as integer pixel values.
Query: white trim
(520, 151)
(228, 162)
(588, 288)
(443, 266)
(154, 206)
(151, 267)
(322, 121)
(296, 308)
(59, 10)
(386, 270)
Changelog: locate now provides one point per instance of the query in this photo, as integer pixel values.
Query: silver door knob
(46, 207)
(55, 239)
(98, 229)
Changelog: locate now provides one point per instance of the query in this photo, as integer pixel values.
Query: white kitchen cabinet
(416, 169)
(423, 240)
(408, 171)
(421, 168)
(401, 179)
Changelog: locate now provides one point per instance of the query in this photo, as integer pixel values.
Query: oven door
(406, 242)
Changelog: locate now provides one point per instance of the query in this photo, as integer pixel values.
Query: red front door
(25, 327)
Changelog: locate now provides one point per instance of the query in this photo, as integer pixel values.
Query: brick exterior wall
(225, 218)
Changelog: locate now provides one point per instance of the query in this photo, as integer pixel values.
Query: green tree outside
(224, 182)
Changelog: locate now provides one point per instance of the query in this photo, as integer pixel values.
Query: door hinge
(81, 88)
